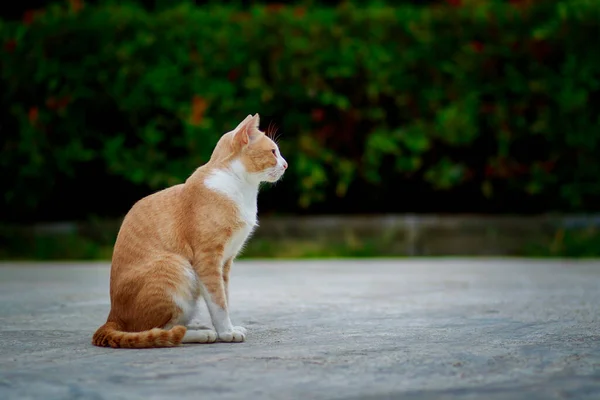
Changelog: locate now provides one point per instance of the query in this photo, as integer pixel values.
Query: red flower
(28, 17)
(275, 7)
(76, 5)
(10, 45)
(199, 106)
(455, 3)
(477, 46)
(486, 108)
(233, 74)
(540, 49)
(33, 115)
(521, 169)
(240, 16)
(317, 114)
(299, 12)
(60, 103)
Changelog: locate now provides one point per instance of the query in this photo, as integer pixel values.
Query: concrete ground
(426, 329)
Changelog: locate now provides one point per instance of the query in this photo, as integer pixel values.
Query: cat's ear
(247, 131)
(253, 131)
(237, 128)
(256, 119)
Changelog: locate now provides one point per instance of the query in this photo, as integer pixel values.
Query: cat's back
(156, 205)
(151, 222)
(149, 239)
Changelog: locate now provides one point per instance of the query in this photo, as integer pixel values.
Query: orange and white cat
(176, 247)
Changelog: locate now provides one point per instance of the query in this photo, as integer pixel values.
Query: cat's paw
(236, 334)
(200, 336)
(240, 329)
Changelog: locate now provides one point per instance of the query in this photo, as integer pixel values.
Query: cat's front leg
(211, 275)
(226, 269)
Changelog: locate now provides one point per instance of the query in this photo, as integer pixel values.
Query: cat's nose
(285, 165)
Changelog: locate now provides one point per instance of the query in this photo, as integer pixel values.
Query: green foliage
(568, 243)
(19, 245)
(504, 96)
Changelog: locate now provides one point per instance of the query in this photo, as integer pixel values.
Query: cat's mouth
(275, 175)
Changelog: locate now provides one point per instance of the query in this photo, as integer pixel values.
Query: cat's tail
(110, 335)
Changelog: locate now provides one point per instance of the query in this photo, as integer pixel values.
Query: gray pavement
(365, 329)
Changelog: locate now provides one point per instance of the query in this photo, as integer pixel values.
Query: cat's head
(251, 152)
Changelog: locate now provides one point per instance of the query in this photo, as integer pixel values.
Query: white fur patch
(237, 241)
(275, 173)
(226, 332)
(242, 189)
(200, 336)
(184, 296)
(218, 315)
(280, 160)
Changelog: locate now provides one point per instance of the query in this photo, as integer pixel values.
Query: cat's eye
(274, 152)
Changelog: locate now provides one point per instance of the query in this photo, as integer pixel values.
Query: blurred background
(442, 127)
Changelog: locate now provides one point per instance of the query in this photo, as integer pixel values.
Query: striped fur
(176, 247)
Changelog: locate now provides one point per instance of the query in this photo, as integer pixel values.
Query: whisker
(272, 132)
(268, 130)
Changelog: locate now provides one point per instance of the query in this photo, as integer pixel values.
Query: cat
(176, 246)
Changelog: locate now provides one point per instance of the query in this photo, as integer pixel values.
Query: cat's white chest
(244, 197)
(237, 241)
(247, 213)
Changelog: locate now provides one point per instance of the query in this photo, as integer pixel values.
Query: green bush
(499, 97)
